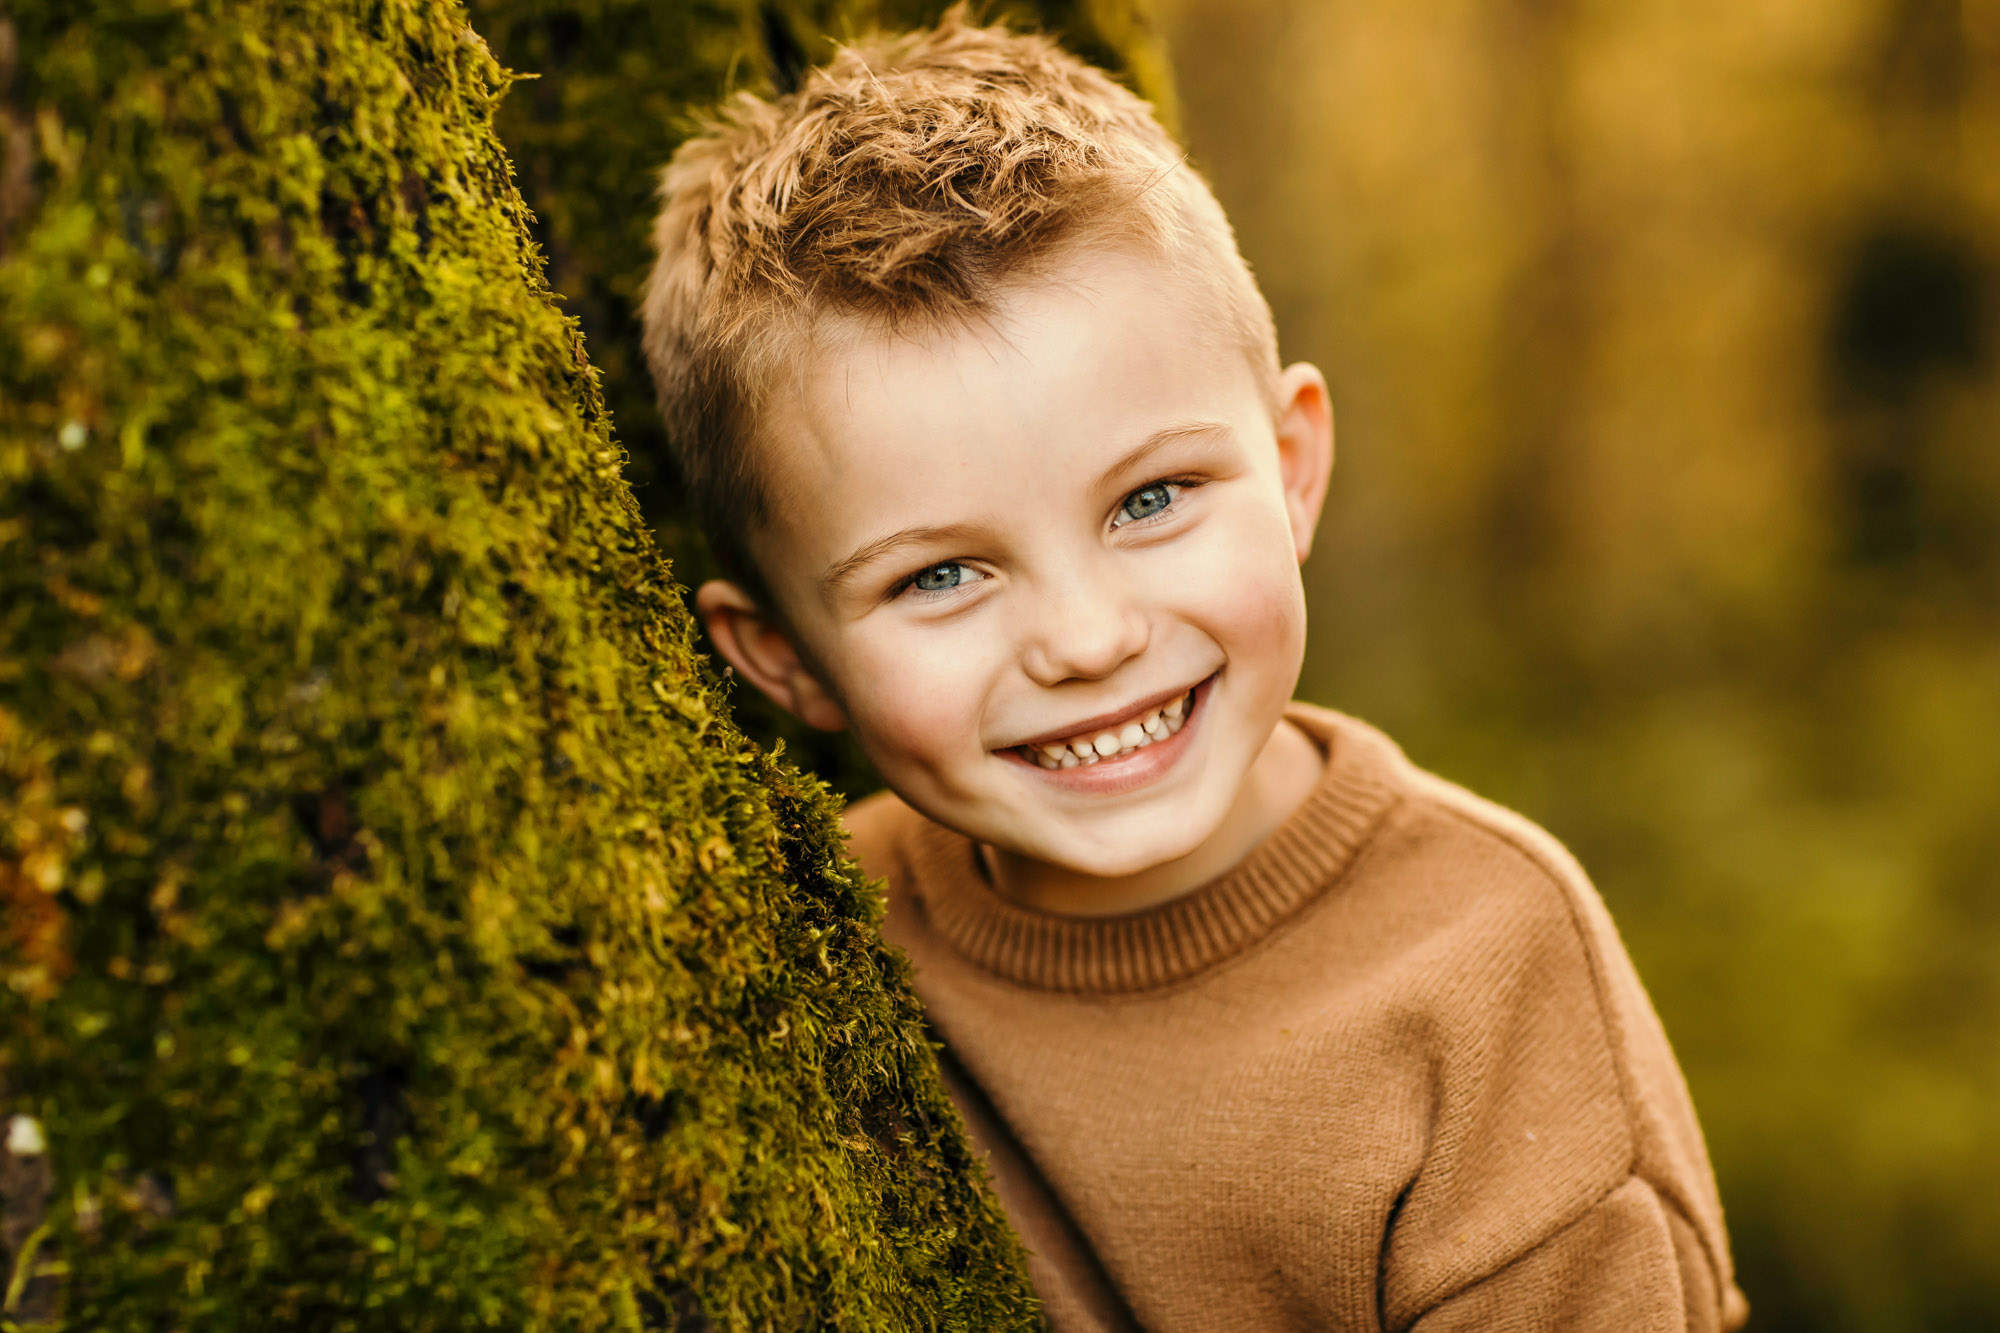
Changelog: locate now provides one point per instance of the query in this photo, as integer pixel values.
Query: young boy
(1260, 1027)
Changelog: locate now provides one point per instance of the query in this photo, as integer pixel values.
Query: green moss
(398, 933)
(617, 85)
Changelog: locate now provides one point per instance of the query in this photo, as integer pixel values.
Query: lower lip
(1122, 773)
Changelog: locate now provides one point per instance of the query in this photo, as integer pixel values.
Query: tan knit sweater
(1394, 1071)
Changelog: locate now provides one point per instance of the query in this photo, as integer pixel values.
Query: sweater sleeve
(1629, 1263)
(1566, 1185)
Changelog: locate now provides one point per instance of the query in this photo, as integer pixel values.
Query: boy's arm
(1567, 1186)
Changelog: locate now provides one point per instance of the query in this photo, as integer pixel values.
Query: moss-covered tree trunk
(617, 85)
(397, 934)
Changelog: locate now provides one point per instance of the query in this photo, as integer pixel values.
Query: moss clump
(618, 84)
(397, 935)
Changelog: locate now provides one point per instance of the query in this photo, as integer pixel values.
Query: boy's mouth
(1095, 746)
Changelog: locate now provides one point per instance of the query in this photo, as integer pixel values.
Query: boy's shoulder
(1429, 824)
(1516, 943)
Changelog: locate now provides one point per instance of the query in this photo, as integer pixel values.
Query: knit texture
(1393, 1071)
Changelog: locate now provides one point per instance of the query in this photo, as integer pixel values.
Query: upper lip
(1104, 721)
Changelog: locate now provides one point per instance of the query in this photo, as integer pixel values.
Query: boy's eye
(944, 577)
(1146, 502)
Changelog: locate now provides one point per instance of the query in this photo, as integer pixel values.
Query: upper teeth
(1154, 725)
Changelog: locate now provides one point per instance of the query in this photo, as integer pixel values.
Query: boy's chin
(1079, 858)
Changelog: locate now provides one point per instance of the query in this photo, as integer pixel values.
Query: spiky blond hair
(907, 183)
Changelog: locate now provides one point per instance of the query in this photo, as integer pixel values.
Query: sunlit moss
(398, 933)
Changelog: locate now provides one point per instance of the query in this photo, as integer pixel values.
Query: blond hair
(905, 183)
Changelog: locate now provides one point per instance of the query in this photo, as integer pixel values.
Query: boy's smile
(1114, 740)
(1046, 566)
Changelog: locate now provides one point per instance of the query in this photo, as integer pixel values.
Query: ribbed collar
(1160, 945)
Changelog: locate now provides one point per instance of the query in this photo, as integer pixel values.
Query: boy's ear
(763, 653)
(1305, 448)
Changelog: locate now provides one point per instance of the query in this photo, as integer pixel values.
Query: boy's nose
(1085, 633)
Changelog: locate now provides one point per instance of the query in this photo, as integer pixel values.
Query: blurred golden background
(1668, 512)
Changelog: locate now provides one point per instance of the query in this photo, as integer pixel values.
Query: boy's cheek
(1264, 637)
(912, 705)
(1244, 584)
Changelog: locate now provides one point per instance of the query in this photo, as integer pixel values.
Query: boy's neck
(1285, 773)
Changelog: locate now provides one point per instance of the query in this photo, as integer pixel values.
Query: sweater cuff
(1630, 1263)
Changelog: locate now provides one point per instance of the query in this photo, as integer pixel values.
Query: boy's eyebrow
(892, 543)
(1157, 441)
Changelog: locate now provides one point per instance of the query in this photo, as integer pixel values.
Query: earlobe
(751, 640)
(1305, 448)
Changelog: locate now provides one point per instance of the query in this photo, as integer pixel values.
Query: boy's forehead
(1080, 349)
(873, 428)
(859, 447)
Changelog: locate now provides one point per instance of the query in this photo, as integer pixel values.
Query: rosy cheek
(1244, 582)
(911, 703)
(1266, 624)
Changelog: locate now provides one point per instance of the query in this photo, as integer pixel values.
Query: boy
(1259, 1026)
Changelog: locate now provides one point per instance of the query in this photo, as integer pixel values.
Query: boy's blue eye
(941, 578)
(1148, 501)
